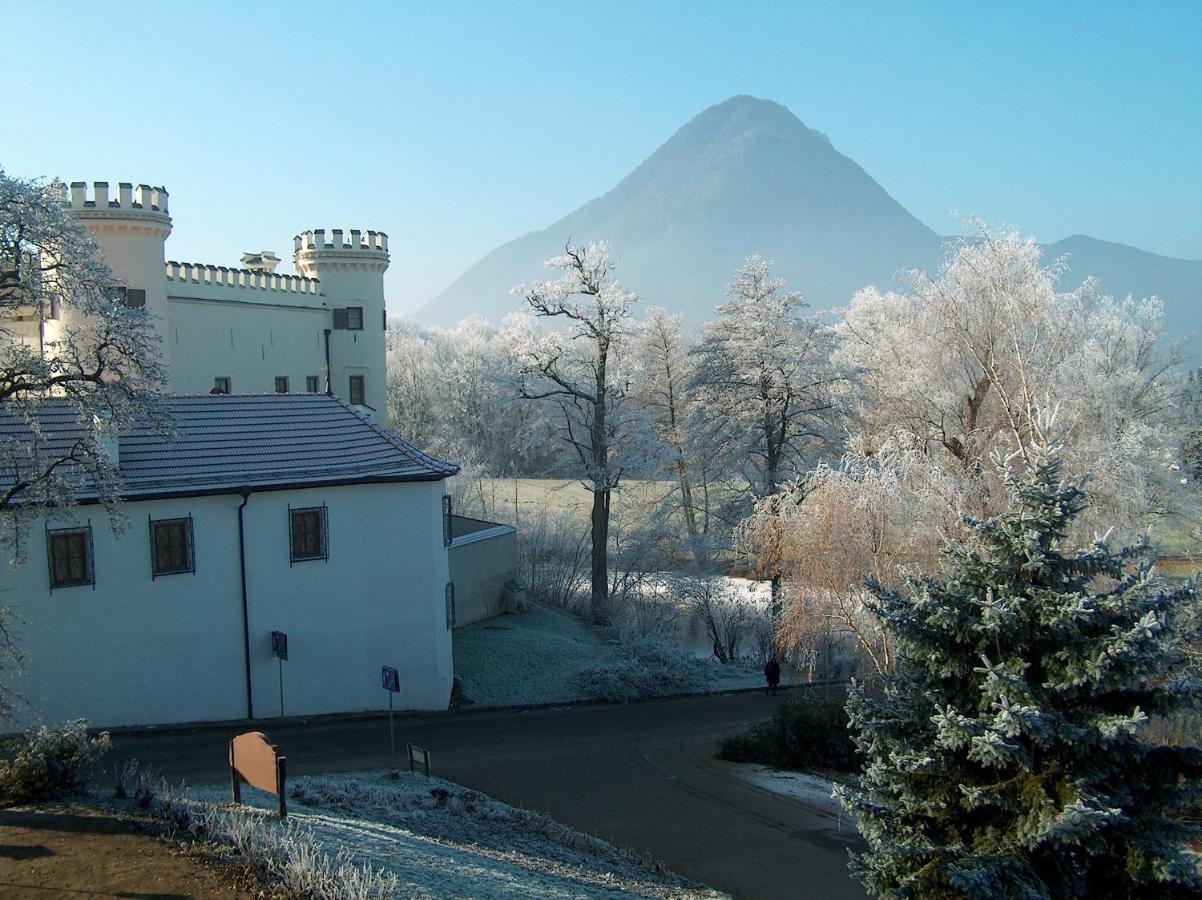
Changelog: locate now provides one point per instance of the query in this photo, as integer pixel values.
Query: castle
(247, 329)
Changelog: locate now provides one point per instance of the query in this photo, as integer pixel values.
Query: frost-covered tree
(965, 357)
(1009, 754)
(452, 392)
(764, 381)
(1190, 426)
(663, 372)
(65, 332)
(577, 369)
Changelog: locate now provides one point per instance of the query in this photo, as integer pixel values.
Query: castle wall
(248, 326)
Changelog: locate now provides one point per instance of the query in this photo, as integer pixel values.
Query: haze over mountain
(746, 176)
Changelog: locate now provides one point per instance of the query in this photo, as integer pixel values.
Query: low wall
(482, 557)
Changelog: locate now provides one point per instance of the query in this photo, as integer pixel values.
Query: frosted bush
(50, 762)
(647, 668)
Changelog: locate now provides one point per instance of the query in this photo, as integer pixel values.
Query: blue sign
(279, 644)
(390, 678)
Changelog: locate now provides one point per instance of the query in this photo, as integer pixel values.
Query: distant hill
(746, 176)
(1124, 271)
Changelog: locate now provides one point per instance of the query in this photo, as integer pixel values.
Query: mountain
(746, 176)
(743, 177)
(1124, 271)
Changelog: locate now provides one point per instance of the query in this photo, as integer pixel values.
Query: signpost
(390, 679)
(279, 646)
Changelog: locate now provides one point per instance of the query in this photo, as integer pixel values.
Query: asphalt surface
(642, 776)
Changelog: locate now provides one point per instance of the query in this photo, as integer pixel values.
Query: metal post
(281, 662)
(391, 728)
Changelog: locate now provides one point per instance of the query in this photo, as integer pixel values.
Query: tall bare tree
(575, 368)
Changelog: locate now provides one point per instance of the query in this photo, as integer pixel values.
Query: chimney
(263, 261)
(107, 443)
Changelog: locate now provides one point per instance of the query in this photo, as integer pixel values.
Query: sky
(455, 127)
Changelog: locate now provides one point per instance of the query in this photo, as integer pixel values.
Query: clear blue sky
(455, 127)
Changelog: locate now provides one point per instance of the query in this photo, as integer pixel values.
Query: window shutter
(340, 319)
(450, 605)
(446, 520)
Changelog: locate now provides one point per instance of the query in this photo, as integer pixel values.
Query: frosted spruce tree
(1008, 755)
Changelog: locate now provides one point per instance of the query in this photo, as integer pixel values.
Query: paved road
(642, 776)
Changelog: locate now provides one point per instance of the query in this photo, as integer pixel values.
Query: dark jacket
(772, 671)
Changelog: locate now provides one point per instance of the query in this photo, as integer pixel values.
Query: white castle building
(247, 329)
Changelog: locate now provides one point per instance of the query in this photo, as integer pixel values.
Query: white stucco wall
(133, 650)
(248, 342)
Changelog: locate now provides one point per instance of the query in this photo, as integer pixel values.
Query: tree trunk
(600, 581)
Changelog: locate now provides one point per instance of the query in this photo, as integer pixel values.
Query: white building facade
(260, 514)
(247, 329)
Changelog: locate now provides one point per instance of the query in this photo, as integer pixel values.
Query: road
(642, 776)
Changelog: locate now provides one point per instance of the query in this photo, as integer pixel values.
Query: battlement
(142, 198)
(242, 279)
(315, 240)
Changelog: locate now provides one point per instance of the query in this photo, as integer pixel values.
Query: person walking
(772, 675)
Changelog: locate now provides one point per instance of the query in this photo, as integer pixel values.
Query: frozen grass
(551, 656)
(804, 787)
(405, 835)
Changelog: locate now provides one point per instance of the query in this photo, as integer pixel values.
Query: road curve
(642, 776)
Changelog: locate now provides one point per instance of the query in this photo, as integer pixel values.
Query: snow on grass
(547, 655)
(809, 789)
(442, 840)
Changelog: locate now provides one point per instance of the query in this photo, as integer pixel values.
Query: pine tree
(1009, 755)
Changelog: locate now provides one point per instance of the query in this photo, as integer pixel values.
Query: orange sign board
(256, 761)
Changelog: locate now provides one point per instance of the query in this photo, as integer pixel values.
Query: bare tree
(65, 333)
(575, 370)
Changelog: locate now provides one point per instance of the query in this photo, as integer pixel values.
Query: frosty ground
(440, 839)
(549, 656)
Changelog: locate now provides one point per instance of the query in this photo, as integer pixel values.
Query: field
(511, 500)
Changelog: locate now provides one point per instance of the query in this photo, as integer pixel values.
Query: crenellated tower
(351, 271)
(131, 225)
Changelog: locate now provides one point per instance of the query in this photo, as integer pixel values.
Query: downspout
(250, 706)
(329, 375)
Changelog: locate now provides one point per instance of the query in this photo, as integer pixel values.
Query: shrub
(647, 668)
(802, 734)
(49, 762)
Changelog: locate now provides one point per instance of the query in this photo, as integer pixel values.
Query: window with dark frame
(281, 384)
(354, 318)
(357, 390)
(308, 533)
(221, 384)
(70, 551)
(134, 298)
(171, 546)
(311, 384)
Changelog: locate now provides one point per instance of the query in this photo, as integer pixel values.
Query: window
(221, 385)
(171, 546)
(357, 390)
(281, 384)
(134, 298)
(348, 318)
(311, 384)
(70, 552)
(56, 307)
(307, 533)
